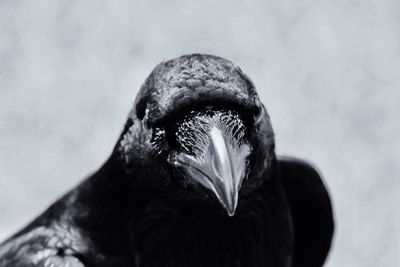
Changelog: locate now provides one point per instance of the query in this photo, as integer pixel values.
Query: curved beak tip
(228, 201)
(221, 170)
(231, 211)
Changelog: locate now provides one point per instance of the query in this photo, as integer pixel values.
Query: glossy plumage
(140, 210)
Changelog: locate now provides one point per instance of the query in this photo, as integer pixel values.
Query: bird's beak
(221, 168)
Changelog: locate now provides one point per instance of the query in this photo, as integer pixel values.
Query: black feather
(139, 210)
(311, 210)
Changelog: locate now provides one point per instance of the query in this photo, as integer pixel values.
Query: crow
(192, 181)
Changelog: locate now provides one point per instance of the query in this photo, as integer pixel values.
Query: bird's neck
(129, 218)
(163, 233)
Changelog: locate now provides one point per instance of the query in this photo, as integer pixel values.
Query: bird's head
(200, 120)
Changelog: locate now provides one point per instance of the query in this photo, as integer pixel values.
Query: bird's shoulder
(51, 240)
(54, 245)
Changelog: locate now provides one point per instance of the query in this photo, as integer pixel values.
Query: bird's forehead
(193, 80)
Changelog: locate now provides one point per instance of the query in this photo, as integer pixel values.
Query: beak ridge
(220, 169)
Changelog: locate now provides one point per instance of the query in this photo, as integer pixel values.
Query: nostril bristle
(192, 133)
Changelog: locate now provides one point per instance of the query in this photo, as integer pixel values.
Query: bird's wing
(51, 240)
(311, 209)
(43, 246)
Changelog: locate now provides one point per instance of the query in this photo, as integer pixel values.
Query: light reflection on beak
(221, 169)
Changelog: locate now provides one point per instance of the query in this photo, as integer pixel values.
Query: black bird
(192, 181)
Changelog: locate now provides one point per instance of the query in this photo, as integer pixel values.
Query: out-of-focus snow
(328, 72)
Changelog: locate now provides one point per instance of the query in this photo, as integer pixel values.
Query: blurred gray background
(328, 72)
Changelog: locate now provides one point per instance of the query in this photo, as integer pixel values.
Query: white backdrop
(328, 72)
